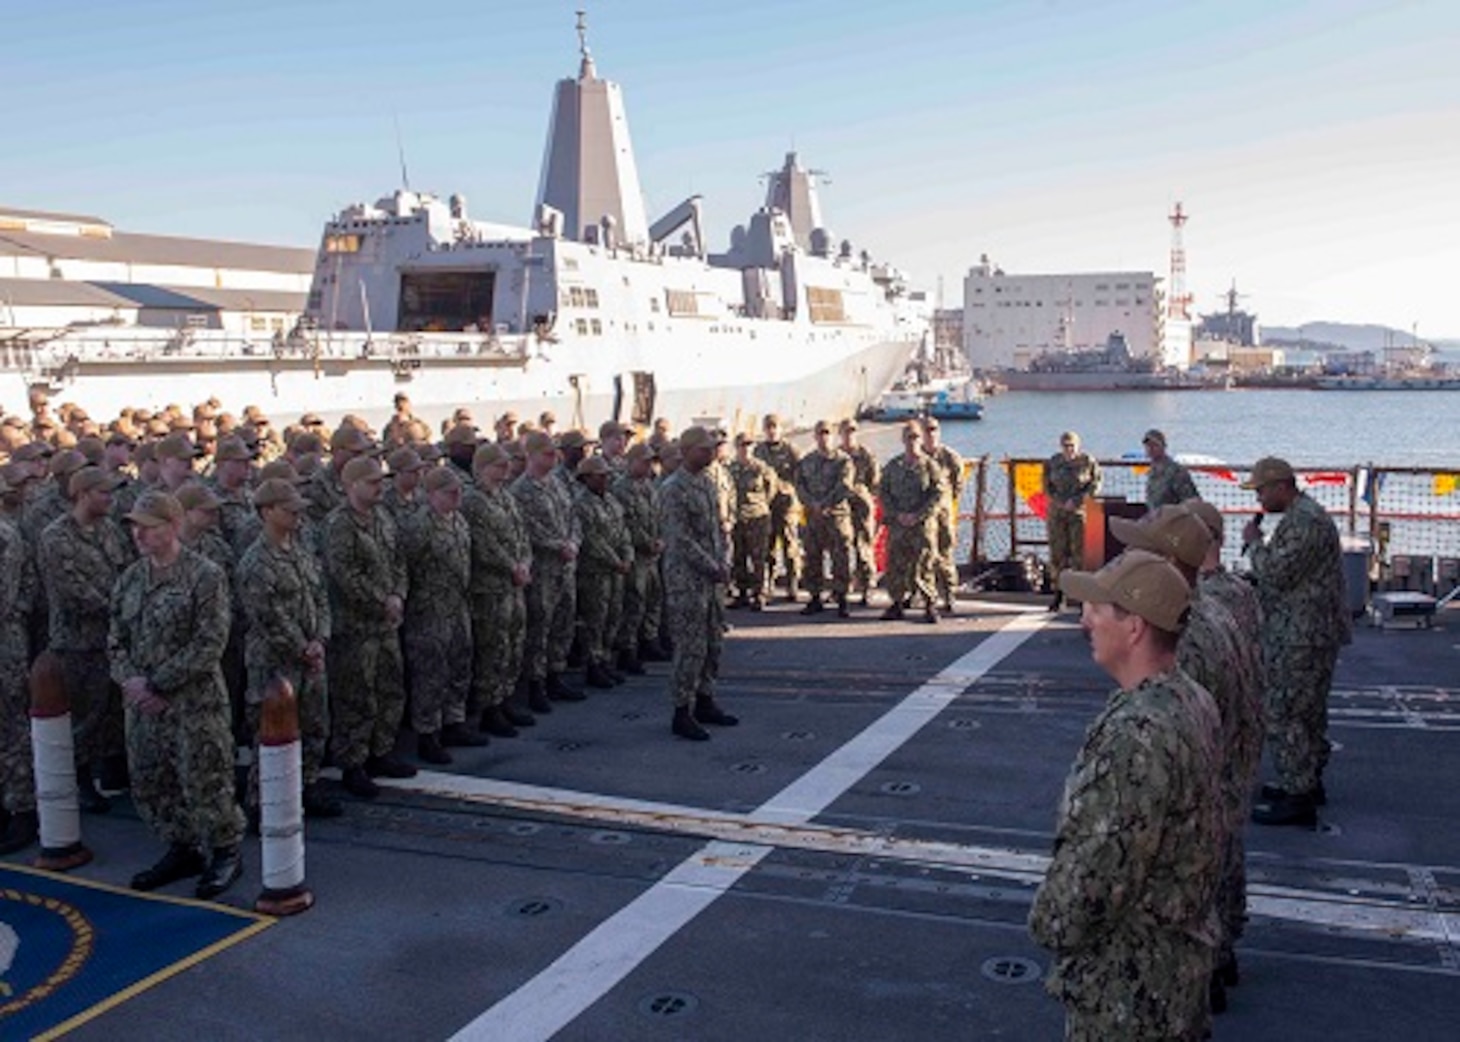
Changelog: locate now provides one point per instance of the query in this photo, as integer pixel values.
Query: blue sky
(1316, 145)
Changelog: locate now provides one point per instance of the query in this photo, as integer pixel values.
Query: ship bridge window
(590, 297)
(575, 296)
(825, 305)
(342, 244)
(445, 301)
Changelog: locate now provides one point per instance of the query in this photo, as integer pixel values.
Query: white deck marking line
(1391, 918)
(587, 971)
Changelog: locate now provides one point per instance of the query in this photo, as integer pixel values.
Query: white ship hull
(802, 374)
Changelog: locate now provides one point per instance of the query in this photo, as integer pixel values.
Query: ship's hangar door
(445, 301)
(641, 398)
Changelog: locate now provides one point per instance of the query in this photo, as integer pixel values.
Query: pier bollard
(55, 768)
(281, 804)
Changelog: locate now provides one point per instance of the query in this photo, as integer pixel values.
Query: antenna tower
(1178, 302)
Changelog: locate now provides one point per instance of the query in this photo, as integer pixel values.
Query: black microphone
(1257, 519)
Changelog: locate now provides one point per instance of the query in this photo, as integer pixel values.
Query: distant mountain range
(1349, 336)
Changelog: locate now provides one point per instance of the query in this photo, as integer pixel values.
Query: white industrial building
(1009, 319)
(63, 271)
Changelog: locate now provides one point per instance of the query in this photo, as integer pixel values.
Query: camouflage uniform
(498, 607)
(367, 689)
(324, 492)
(824, 481)
(1242, 735)
(606, 547)
(1299, 578)
(17, 770)
(437, 633)
(45, 506)
(286, 606)
(211, 544)
(694, 553)
(547, 514)
(1168, 482)
(401, 509)
(170, 626)
(565, 617)
(1065, 480)
(909, 488)
(782, 458)
(1126, 903)
(755, 484)
(79, 566)
(642, 590)
(236, 518)
(866, 475)
(945, 535)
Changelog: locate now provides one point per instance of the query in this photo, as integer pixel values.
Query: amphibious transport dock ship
(591, 311)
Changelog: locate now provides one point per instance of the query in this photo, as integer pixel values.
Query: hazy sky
(1316, 145)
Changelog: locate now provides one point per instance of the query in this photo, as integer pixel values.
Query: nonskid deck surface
(854, 861)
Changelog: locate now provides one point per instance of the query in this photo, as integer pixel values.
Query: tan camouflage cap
(593, 465)
(1208, 515)
(488, 455)
(94, 449)
(1269, 470)
(279, 470)
(349, 438)
(608, 428)
(156, 508)
(278, 492)
(537, 442)
(405, 460)
(197, 496)
(441, 478)
(696, 437)
(32, 451)
(233, 448)
(361, 468)
(575, 439)
(176, 445)
(66, 462)
(88, 479)
(1154, 437)
(462, 433)
(1172, 531)
(1139, 581)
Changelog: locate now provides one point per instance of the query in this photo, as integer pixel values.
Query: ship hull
(722, 380)
(1019, 380)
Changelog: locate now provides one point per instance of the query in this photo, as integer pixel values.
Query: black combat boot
(21, 831)
(517, 713)
(742, 600)
(894, 612)
(389, 766)
(1319, 796)
(224, 868)
(813, 606)
(357, 782)
(537, 698)
(614, 673)
(180, 862)
(757, 602)
(430, 750)
(460, 735)
(1289, 809)
(596, 676)
(949, 608)
(88, 796)
(929, 615)
(561, 692)
(842, 611)
(684, 726)
(496, 723)
(318, 803)
(628, 662)
(653, 651)
(707, 712)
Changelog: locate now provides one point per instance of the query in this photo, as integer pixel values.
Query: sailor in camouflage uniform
(1299, 578)
(49, 500)
(82, 554)
(168, 627)
(866, 475)
(547, 512)
(202, 533)
(824, 480)
(402, 492)
(435, 541)
(17, 772)
(286, 607)
(643, 591)
(325, 492)
(945, 518)
(1070, 478)
(605, 559)
(1242, 734)
(1210, 653)
(1126, 903)
(501, 568)
(782, 458)
(694, 568)
(755, 486)
(367, 588)
(233, 466)
(909, 490)
(1167, 482)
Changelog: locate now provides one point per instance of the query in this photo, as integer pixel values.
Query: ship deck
(853, 862)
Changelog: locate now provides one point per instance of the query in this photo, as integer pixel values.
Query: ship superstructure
(590, 310)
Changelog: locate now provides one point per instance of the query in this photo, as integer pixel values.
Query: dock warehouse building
(61, 271)
(1009, 319)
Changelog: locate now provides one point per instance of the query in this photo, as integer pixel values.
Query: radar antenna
(582, 28)
(400, 148)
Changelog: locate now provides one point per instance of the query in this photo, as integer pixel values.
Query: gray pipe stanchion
(281, 804)
(55, 768)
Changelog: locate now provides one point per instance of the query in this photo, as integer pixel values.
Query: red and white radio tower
(1178, 301)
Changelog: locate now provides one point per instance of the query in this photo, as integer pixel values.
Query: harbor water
(1315, 428)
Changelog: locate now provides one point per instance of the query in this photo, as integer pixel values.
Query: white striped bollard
(281, 804)
(55, 768)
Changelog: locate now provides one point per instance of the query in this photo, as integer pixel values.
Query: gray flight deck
(597, 879)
